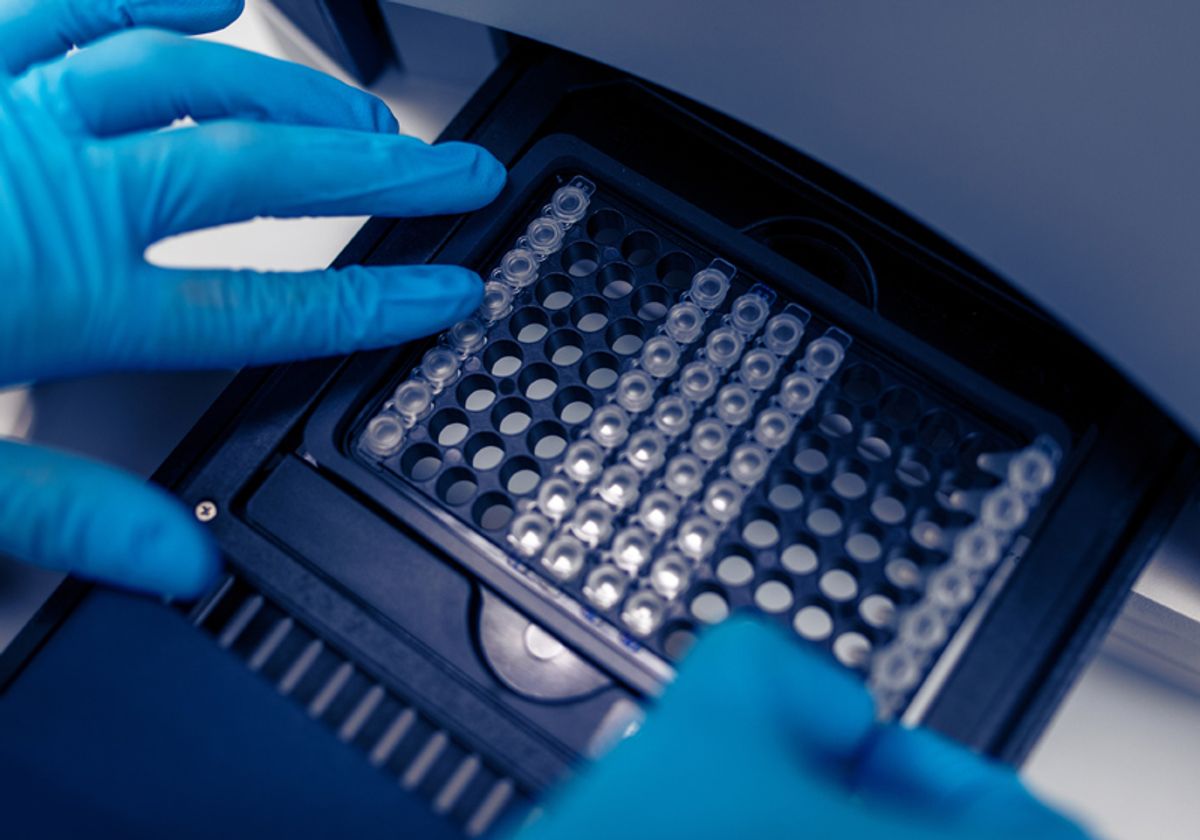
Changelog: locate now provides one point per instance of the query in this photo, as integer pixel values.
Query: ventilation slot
(390, 733)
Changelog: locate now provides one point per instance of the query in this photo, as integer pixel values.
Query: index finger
(36, 30)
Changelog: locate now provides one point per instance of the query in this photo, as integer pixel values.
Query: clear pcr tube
(723, 500)
(556, 497)
(749, 464)
(660, 357)
(643, 612)
(439, 367)
(610, 426)
(823, 357)
(774, 427)
(759, 368)
(672, 415)
(519, 268)
(605, 586)
(670, 575)
(592, 521)
(735, 404)
(710, 439)
(497, 301)
(468, 335)
(619, 485)
(798, 393)
(544, 235)
(413, 400)
(564, 558)
(782, 334)
(646, 450)
(709, 288)
(530, 532)
(384, 435)
(749, 313)
(697, 537)
(724, 346)
(631, 550)
(698, 381)
(659, 511)
(570, 203)
(583, 461)
(684, 322)
(635, 391)
(684, 475)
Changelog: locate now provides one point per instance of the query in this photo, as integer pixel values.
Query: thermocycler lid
(1059, 143)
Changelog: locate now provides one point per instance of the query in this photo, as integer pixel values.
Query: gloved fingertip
(191, 16)
(174, 557)
(482, 173)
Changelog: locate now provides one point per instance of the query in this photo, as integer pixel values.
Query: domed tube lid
(699, 381)
(672, 415)
(749, 464)
(570, 203)
(684, 322)
(659, 511)
(497, 301)
(774, 427)
(384, 435)
(583, 460)
(468, 335)
(643, 613)
(823, 357)
(684, 475)
(413, 399)
(646, 450)
(697, 537)
(592, 521)
(564, 558)
(759, 368)
(709, 288)
(619, 485)
(519, 268)
(750, 312)
(782, 334)
(556, 497)
(544, 235)
(529, 533)
(631, 549)
(605, 586)
(798, 393)
(660, 357)
(670, 575)
(635, 391)
(735, 404)
(723, 500)
(724, 346)
(610, 426)
(710, 439)
(440, 366)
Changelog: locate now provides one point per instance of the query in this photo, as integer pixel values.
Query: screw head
(206, 511)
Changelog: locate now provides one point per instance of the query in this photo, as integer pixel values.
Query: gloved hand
(760, 738)
(87, 182)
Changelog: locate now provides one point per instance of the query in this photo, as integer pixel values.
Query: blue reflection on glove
(761, 738)
(87, 183)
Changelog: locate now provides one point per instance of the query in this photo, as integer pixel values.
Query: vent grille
(392, 734)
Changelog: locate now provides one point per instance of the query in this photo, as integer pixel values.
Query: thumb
(67, 513)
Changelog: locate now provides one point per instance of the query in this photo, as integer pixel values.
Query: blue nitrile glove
(760, 738)
(88, 181)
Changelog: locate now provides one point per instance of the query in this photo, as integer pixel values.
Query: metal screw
(206, 511)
